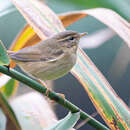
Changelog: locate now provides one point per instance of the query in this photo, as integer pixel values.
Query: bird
(51, 58)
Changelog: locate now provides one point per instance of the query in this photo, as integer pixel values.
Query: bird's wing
(31, 54)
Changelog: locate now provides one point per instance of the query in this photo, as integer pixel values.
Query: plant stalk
(52, 95)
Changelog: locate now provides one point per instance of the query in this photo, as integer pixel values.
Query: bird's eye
(71, 38)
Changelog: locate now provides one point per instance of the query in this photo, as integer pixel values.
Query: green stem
(52, 95)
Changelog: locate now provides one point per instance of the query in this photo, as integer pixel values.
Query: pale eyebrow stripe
(67, 38)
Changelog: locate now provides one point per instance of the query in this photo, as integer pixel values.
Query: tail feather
(10, 52)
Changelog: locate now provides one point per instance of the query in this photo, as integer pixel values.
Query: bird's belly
(53, 72)
(49, 71)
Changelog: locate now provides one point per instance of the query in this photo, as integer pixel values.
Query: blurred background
(107, 50)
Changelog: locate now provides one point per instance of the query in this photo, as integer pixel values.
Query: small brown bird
(50, 59)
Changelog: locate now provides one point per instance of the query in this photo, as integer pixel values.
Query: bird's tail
(10, 52)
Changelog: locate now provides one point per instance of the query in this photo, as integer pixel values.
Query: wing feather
(33, 54)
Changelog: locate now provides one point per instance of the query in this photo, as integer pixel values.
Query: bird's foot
(48, 90)
(42, 83)
(45, 85)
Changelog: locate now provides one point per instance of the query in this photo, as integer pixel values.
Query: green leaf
(67, 123)
(9, 88)
(108, 104)
(4, 59)
(8, 111)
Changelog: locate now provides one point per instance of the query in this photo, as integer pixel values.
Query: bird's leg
(42, 82)
(48, 90)
(45, 85)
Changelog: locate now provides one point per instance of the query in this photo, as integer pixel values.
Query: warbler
(51, 58)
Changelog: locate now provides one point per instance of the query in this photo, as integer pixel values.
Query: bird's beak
(83, 34)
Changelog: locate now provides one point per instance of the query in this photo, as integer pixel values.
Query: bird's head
(68, 40)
